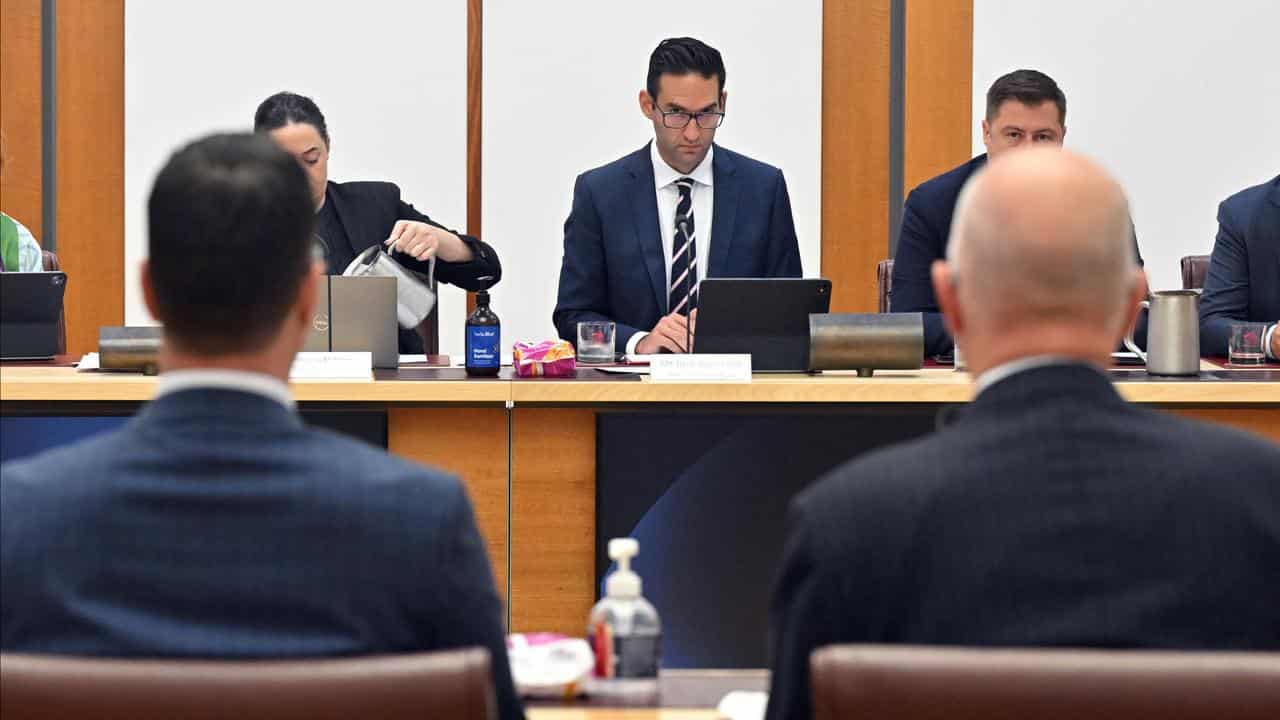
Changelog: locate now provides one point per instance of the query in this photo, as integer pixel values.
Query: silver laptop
(356, 314)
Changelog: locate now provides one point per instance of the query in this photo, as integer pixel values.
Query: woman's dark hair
(681, 56)
(286, 107)
(1029, 87)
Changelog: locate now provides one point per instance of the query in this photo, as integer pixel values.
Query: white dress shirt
(703, 196)
(267, 386)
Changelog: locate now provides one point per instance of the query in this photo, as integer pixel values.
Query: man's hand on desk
(669, 334)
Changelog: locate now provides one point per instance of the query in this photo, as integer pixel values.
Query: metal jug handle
(1128, 338)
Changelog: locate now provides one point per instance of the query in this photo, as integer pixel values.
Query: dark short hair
(287, 107)
(681, 56)
(229, 237)
(1029, 87)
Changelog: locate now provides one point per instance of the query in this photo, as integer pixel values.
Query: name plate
(700, 368)
(332, 366)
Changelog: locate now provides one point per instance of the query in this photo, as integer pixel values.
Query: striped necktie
(684, 262)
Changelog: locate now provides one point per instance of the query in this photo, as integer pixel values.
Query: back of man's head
(1040, 260)
(230, 221)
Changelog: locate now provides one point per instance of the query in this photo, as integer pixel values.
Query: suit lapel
(347, 217)
(724, 210)
(644, 214)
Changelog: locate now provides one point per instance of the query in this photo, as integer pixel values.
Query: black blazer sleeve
(1226, 285)
(784, 248)
(466, 275)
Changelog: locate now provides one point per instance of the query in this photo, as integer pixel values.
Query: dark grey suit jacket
(215, 524)
(1050, 512)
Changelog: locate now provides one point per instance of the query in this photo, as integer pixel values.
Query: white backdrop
(591, 57)
(389, 76)
(1180, 100)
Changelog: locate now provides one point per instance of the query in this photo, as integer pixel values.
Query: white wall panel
(390, 77)
(1180, 100)
(546, 60)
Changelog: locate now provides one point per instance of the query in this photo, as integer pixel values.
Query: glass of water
(1245, 344)
(595, 342)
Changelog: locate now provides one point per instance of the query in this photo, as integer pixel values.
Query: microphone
(688, 297)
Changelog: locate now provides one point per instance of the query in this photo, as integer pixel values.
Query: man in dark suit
(646, 228)
(1243, 281)
(1049, 511)
(215, 523)
(1025, 108)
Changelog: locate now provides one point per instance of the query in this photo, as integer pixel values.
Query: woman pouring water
(353, 216)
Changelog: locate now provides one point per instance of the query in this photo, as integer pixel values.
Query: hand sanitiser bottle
(484, 339)
(625, 633)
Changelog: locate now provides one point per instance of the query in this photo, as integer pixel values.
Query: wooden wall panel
(553, 527)
(90, 174)
(470, 443)
(20, 113)
(855, 149)
(939, 88)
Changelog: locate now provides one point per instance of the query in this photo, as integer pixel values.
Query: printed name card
(700, 368)
(332, 366)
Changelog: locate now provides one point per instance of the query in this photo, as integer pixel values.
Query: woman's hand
(423, 242)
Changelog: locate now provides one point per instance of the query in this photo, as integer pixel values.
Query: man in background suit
(1049, 511)
(1243, 281)
(1025, 108)
(646, 228)
(215, 523)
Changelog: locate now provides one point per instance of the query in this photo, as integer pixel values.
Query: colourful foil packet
(549, 358)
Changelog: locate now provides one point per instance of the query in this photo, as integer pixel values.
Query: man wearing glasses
(646, 228)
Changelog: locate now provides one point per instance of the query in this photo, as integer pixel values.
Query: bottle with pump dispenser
(484, 339)
(625, 633)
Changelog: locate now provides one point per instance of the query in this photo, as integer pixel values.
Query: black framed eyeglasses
(676, 119)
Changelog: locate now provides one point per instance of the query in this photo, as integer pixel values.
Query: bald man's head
(1041, 239)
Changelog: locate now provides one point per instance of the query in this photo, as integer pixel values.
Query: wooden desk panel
(471, 443)
(553, 510)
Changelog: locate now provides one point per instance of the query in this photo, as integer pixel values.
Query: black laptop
(767, 318)
(30, 312)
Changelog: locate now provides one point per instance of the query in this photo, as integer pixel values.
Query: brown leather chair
(1194, 268)
(49, 261)
(453, 684)
(910, 683)
(884, 284)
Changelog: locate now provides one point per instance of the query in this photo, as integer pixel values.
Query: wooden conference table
(526, 449)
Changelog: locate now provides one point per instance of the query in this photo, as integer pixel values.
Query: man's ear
(724, 99)
(986, 134)
(646, 104)
(149, 291)
(305, 305)
(944, 289)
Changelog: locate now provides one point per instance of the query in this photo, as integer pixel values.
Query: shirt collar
(204, 378)
(664, 174)
(1023, 364)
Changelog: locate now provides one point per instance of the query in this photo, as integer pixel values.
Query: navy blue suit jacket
(614, 267)
(1049, 512)
(215, 524)
(1243, 281)
(926, 229)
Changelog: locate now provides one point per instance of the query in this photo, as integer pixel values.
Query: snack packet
(548, 665)
(549, 358)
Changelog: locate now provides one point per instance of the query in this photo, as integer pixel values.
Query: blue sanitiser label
(482, 346)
